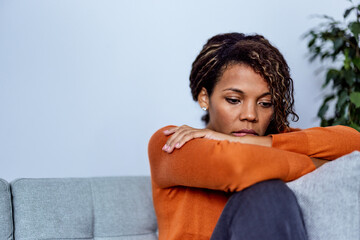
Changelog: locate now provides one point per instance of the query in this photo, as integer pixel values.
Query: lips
(244, 132)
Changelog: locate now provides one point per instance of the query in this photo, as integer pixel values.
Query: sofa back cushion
(119, 208)
(329, 199)
(6, 223)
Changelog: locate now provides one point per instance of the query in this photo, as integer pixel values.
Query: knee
(266, 190)
(270, 206)
(271, 194)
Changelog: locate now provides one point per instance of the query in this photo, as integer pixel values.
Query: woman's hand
(184, 133)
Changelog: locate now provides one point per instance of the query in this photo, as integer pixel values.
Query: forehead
(243, 77)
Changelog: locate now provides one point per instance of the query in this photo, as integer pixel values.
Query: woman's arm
(320, 142)
(222, 165)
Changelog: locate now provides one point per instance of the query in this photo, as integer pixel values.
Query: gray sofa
(116, 208)
(121, 208)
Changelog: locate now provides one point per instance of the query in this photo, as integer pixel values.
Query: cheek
(266, 117)
(221, 115)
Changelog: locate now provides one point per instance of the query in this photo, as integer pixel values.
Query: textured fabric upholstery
(84, 208)
(330, 199)
(121, 208)
(6, 225)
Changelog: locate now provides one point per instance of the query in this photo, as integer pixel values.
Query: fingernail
(166, 131)
(177, 145)
(165, 147)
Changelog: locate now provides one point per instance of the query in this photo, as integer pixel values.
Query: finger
(174, 129)
(175, 138)
(184, 137)
(187, 137)
(170, 130)
(174, 135)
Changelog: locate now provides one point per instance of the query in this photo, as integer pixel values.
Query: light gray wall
(84, 84)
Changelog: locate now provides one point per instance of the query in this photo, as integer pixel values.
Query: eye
(233, 100)
(265, 104)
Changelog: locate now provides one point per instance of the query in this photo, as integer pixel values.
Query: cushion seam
(92, 209)
(10, 208)
(359, 209)
(125, 235)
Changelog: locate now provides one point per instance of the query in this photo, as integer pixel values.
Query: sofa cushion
(330, 199)
(6, 223)
(84, 208)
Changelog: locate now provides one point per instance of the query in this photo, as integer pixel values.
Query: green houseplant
(336, 44)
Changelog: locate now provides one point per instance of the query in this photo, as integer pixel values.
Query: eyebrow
(242, 92)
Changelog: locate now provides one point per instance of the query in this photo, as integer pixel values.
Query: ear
(203, 99)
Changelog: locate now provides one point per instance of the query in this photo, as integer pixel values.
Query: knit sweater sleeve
(320, 142)
(222, 165)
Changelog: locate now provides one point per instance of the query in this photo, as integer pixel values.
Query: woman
(231, 174)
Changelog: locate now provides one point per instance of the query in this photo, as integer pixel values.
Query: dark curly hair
(255, 51)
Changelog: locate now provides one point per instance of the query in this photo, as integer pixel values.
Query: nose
(248, 112)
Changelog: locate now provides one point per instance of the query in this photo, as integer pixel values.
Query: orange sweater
(192, 185)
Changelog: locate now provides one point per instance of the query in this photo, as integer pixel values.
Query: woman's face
(240, 103)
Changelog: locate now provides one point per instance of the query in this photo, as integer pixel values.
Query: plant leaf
(338, 43)
(342, 98)
(356, 62)
(348, 11)
(347, 60)
(355, 126)
(355, 98)
(311, 42)
(324, 107)
(355, 29)
(327, 17)
(340, 121)
(331, 74)
(349, 77)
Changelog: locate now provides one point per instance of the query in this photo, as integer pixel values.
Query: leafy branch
(338, 42)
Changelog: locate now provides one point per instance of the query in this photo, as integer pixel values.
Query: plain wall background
(84, 84)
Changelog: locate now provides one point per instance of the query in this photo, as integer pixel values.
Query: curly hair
(255, 51)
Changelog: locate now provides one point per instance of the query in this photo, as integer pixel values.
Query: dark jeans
(266, 210)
